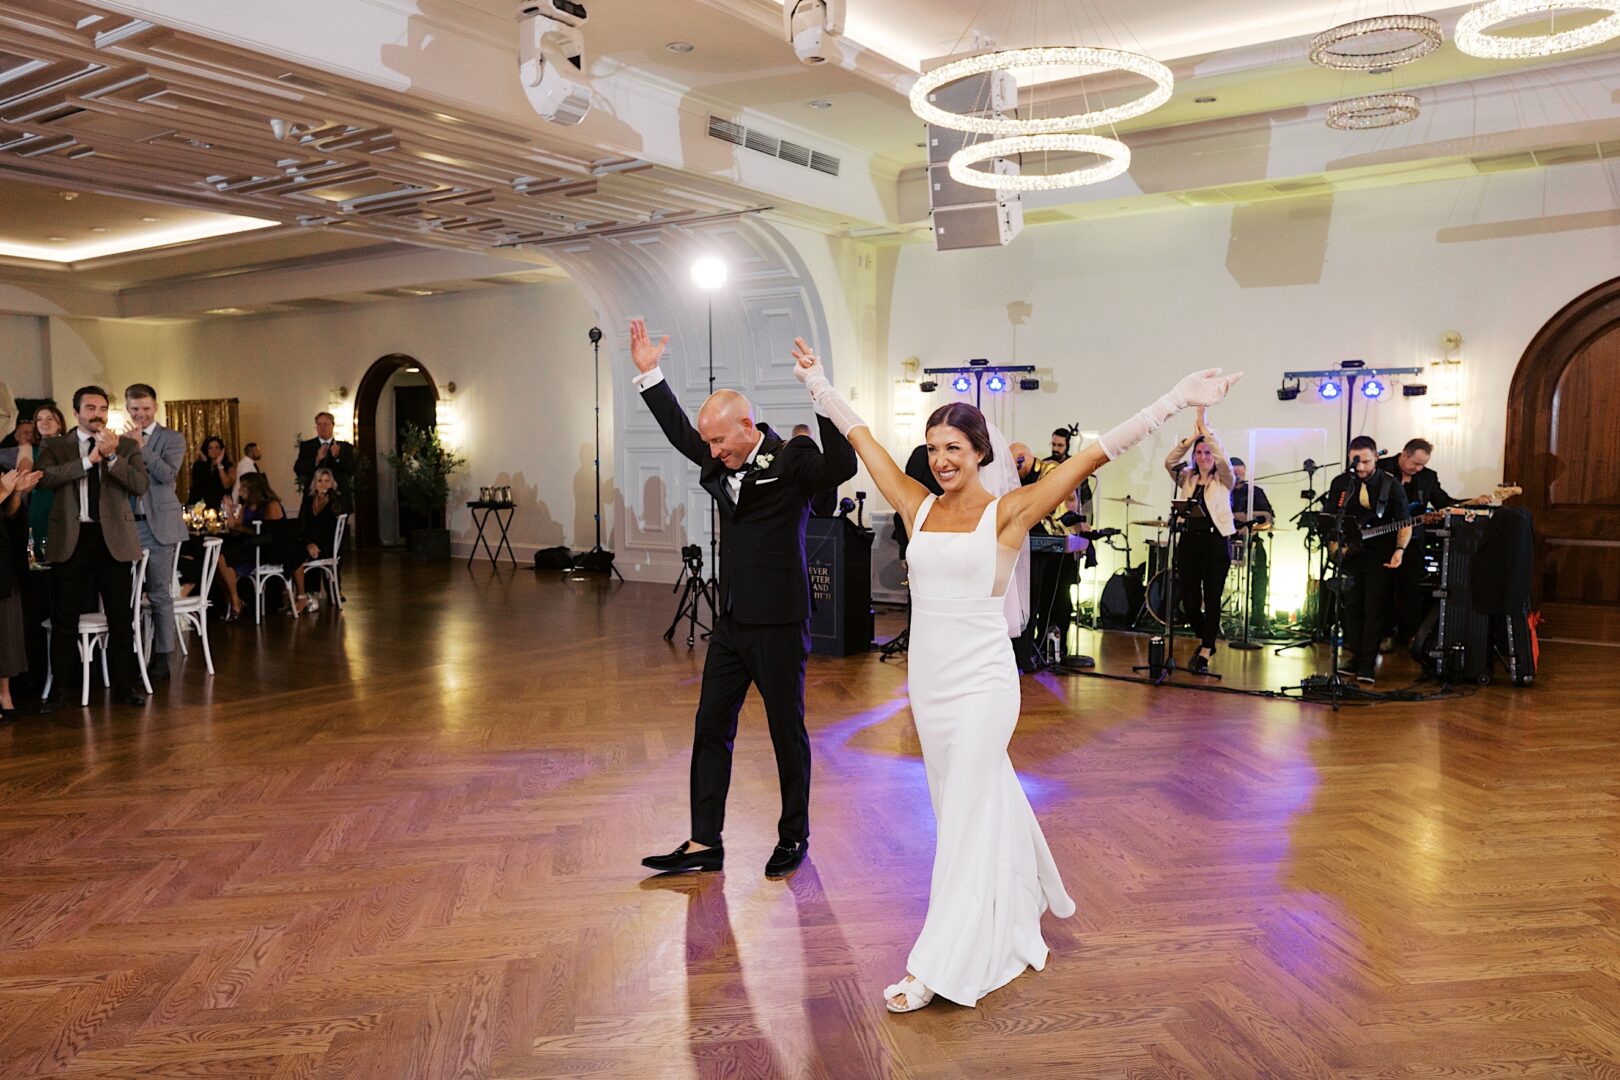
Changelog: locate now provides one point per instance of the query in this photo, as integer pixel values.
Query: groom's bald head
(726, 423)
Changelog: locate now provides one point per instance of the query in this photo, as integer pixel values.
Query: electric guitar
(1353, 544)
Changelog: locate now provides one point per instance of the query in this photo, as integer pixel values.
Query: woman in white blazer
(1204, 552)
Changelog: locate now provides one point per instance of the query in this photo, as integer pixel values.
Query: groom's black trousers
(772, 658)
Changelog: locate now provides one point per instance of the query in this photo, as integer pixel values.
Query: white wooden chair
(94, 635)
(329, 567)
(192, 611)
(264, 573)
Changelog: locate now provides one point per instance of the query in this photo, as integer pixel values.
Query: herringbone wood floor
(403, 843)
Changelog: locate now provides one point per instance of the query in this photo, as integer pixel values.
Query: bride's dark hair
(969, 421)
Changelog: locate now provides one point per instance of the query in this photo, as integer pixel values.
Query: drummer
(1263, 517)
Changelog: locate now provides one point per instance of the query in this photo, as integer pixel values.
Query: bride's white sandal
(916, 994)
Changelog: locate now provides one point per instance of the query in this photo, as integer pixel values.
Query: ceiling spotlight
(1329, 389)
(98, 228)
(56, 239)
(1029, 384)
(68, 196)
(680, 46)
(1205, 100)
(928, 386)
(151, 220)
(1414, 389)
(821, 103)
(1372, 389)
(961, 384)
(995, 384)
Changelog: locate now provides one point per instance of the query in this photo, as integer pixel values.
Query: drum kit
(1137, 595)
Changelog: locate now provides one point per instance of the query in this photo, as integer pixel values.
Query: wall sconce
(446, 418)
(342, 414)
(1446, 380)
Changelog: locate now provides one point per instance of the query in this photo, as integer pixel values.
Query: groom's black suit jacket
(763, 578)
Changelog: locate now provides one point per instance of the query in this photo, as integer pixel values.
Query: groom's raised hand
(642, 350)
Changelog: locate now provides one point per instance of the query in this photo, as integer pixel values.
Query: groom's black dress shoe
(785, 859)
(681, 861)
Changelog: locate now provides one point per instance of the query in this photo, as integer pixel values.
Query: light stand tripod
(694, 591)
(713, 584)
(598, 558)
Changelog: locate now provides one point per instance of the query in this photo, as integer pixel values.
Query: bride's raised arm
(902, 492)
(1021, 509)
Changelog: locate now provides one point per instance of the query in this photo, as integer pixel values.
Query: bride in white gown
(968, 560)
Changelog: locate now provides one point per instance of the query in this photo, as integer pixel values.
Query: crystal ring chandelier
(1372, 111)
(1473, 37)
(1326, 48)
(1116, 155)
(1009, 59)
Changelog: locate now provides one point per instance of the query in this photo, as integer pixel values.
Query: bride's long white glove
(1206, 388)
(827, 400)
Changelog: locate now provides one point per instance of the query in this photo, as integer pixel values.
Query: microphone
(1310, 466)
(845, 505)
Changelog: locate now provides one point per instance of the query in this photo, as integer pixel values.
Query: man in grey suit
(92, 539)
(158, 521)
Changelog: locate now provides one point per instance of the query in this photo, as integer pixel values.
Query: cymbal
(1153, 523)
(1126, 499)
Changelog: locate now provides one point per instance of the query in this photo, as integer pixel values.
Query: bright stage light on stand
(709, 273)
(995, 384)
(1329, 389)
(961, 384)
(1372, 389)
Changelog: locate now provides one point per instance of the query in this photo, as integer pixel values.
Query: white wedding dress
(993, 873)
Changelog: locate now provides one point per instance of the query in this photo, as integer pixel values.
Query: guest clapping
(212, 475)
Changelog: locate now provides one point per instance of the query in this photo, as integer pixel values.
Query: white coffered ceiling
(364, 128)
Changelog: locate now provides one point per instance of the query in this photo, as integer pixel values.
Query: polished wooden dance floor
(402, 843)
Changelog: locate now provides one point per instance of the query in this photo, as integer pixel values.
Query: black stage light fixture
(1414, 389)
(928, 386)
(1288, 391)
(1029, 384)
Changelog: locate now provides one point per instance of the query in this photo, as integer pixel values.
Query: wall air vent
(771, 146)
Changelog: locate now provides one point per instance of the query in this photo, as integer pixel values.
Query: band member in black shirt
(1369, 497)
(1422, 491)
(1263, 517)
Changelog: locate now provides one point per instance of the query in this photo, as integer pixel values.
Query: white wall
(519, 357)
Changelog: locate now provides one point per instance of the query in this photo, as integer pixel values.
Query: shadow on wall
(585, 501)
(532, 523)
(1283, 242)
(657, 522)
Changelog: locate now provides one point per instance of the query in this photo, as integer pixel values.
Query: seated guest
(249, 464)
(211, 474)
(259, 504)
(318, 516)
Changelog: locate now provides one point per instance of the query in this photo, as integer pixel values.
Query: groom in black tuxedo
(762, 487)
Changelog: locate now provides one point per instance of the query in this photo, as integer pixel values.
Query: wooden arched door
(1563, 448)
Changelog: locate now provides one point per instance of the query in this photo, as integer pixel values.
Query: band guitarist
(1369, 497)
(1422, 491)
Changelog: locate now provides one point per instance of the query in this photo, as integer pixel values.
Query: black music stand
(1181, 512)
(1332, 687)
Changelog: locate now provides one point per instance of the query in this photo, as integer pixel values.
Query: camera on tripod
(692, 556)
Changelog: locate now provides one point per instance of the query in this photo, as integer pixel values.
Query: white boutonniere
(763, 462)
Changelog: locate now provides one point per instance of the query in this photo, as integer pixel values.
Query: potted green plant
(422, 467)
